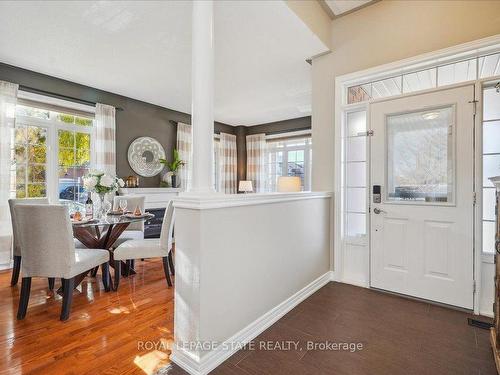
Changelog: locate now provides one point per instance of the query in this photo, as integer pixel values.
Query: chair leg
(116, 282)
(167, 272)
(15, 270)
(68, 286)
(52, 281)
(25, 297)
(93, 273)
(105, 276)
(171, 263)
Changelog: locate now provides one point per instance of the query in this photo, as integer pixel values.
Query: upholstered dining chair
(149, 248)
(135, 231)
(48, 250)
(16, 245)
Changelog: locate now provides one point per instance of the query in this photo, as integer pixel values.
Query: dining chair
(135, 231)
(149, 248)
(16, 246)
(48, 250)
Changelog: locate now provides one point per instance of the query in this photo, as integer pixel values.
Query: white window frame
(274, 139)
(481, 47)
(52, 125)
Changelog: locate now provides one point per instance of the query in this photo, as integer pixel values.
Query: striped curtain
(185, 148)
(256, 158)
(8, 100)
(104, 139)
(228, 163)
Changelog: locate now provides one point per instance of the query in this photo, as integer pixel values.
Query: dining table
(102, 233)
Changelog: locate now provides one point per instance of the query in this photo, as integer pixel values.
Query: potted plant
(174, 166)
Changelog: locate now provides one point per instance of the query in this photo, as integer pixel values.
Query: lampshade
(245, 186)
(287, 184)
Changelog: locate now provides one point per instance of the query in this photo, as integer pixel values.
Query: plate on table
(83, 221)
(115, 213)
(133, 216)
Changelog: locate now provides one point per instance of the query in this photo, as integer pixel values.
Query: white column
(202, 105)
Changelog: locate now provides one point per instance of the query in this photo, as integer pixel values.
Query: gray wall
(137, 118)
(292, 125)
(285, 126)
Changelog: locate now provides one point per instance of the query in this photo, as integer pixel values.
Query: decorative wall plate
(143, 156)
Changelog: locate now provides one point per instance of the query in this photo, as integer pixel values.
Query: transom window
(51, 153)
(461, 71)
(288, 157)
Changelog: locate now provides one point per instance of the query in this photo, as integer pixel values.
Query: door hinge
(474, 102)
(474, 198)
(474, 286)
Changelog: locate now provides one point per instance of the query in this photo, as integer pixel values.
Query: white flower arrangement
(101, 183)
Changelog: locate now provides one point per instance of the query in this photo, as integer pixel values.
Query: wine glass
(107, 207)
(123, 205)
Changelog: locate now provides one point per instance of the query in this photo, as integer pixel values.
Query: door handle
(378, 211)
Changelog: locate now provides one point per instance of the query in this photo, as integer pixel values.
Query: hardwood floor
(399, 337)
(104, 334)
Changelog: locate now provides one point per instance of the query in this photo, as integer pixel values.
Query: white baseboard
(487, 313)
(211, 360)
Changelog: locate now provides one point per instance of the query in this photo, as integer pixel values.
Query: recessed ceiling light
(430, 115)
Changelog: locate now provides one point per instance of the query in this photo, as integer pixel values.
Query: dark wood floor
(102, 333)
(399, 336)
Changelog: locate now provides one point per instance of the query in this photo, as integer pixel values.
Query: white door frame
(440, 57)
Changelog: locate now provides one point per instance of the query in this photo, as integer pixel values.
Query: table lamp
(289, 184)
(245, 186)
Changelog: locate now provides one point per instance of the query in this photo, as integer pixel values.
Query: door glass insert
(420, 156)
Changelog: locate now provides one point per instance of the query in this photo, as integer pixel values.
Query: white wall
(381, 33)
(238, 257)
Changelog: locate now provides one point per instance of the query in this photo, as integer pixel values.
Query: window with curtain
(288, 157)
(51, 153)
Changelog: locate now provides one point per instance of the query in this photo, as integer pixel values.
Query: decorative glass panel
(356, 149)
(422, 80)
(356, 225)
(491, 168)
(356, 199)
(489, 203)
(386, 87)
(358, 94)
(488, 236)
(491, 137)
(356, 174)
(489, 66)
(420, 156)
(459, 72)
(491, 104)
(356, 123)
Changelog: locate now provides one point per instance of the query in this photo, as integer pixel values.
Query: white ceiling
(143, 50)
(341, 6)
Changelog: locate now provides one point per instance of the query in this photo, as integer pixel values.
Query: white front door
(422, 229)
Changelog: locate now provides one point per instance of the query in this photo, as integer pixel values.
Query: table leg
(78, 280)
